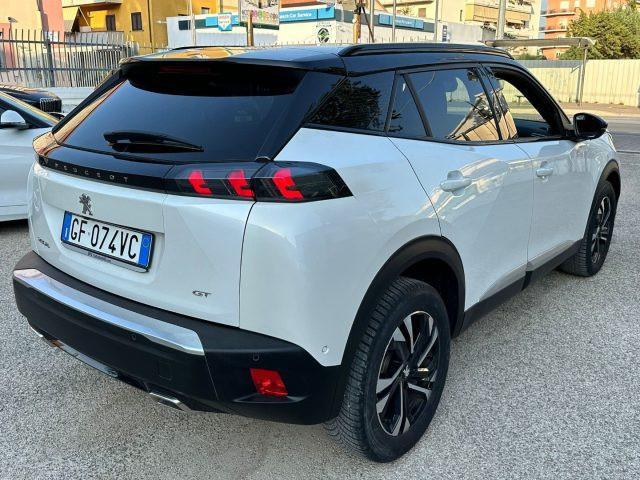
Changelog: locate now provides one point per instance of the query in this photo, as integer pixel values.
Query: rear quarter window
(359, 103)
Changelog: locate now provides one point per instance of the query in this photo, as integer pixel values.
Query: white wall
(291, 33)
(213, 36)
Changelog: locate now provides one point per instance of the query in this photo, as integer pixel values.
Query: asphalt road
(544, 387)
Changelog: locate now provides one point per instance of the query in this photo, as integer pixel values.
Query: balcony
(556, 28)
(522, 7)
(486, 11)
(557, 12)
(83, 3)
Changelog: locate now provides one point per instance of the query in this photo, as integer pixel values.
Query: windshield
(227, 112)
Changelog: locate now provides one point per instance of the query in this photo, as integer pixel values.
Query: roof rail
(380, 48)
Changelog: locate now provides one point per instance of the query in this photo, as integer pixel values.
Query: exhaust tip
(169, 401)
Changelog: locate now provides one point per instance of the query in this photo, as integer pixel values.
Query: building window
(111, 23)
(422, 12)
(136, 21)
(205, 10)
(460, 15)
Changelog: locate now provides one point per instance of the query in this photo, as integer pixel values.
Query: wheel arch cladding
(611, 174)
(433, 260)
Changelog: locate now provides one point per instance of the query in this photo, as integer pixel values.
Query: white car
(20, 123)
(296, 234)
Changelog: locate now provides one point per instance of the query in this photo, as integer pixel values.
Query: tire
(378, 373)
(597, 238)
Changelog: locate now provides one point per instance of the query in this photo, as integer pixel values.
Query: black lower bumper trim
(218, 381)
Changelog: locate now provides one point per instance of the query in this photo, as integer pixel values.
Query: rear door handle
(544, 172)
(455, 181)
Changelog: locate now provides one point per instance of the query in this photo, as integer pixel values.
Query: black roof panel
(343, 59)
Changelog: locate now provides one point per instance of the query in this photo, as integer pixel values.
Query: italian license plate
(107, 241)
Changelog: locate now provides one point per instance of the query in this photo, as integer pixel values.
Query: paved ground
(544, 387)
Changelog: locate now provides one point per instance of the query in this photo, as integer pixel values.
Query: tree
(616, 32)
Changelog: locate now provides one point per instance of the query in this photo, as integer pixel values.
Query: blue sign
(308, 14)
(403, 22)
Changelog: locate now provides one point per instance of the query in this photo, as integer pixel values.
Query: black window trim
(562, 121)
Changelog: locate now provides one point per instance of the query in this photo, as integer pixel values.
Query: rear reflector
(256, 181)
(268, 382)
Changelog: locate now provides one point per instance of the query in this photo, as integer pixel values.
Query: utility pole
(502, 12)
(372, 16)
(250, 29)
(192, 23)
(435, 22)
(393, 21)
(357, 21)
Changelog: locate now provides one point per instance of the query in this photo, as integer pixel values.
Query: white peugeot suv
(295, 234)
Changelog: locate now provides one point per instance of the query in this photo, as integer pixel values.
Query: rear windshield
(228, 111)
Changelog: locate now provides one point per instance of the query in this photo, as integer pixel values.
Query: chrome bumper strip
(157, 331)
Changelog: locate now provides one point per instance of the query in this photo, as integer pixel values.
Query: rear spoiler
(296, 58)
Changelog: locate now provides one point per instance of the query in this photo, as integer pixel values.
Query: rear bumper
(189, 363)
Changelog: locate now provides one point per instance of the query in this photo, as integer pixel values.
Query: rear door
(480, 186)
(563, 183)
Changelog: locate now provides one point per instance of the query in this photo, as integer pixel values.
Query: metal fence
(605, 81)
(42, 59)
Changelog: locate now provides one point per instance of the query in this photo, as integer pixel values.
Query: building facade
(142, 21)
(559, 14)
(522, 16)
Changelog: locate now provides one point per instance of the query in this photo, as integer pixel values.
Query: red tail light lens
(197, 182)
(271, 181)
(286, 185)
(239, 183)
(268, 382)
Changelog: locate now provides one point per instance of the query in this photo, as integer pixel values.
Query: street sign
(225, 21)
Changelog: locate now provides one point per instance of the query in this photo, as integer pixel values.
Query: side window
(524, 113)
(405, 118)
(358, 102)
(456, 105)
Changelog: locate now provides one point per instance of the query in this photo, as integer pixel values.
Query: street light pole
(502, 12)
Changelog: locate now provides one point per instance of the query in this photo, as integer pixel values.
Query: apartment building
(522, 16)
(142, 21)
(559, 14)
(19, 15)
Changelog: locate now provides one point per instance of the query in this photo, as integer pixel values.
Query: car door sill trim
(490, 303)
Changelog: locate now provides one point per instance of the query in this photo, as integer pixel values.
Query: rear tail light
(268, 382)
(271, 182)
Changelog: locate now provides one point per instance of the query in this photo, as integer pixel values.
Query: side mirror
(12, 119)
(588, 126)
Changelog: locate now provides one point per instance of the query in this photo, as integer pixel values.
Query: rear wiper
(139, 140)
